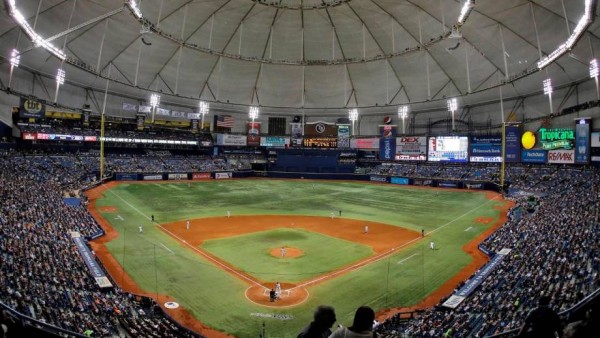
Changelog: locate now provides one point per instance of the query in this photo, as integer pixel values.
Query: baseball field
(346, 244)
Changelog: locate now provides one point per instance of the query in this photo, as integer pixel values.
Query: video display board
(448, 149)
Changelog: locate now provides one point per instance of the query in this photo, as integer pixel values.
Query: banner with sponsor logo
(596, 139)
(512, 144)
(28, 136)
(561, 156)
(582, 141)
(253, 133)
(274, 141)
(364, 143)
(387, 143)
(195, 125)
(378, 178)
(343, 136)
(223, 176)
(557, 138)
(177, 176)
(534, 156)
(31, 108)
(231, 140)
(86, 118)
(88, 258)
(411, 148)
(126, 177)
(400, 180)
(152, 177)
(200, 176)
(486, 148)
(140, 119)
(297, 134)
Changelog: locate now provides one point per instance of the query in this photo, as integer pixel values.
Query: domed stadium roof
(307, 54)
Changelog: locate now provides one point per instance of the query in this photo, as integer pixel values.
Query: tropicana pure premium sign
(557, 138)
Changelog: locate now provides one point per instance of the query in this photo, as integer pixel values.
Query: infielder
(141, 228)
(187, 224)
(431, 245)
(366, 229)
(228, 213)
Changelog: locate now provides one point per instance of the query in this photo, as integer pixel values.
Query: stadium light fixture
(203, 110)
(465, 11)
(403, 114)
(582, 25)
(353, 116)
(134, 8)
(452, 108)
(15, 59)
(60, 80)
(154, 103)
(594, 75)
(548, 91)
(253, 113)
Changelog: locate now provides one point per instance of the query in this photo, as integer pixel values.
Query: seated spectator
(362, 327)
(542, 322)
(320, 327)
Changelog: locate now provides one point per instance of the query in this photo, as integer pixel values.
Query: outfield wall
(220, 175)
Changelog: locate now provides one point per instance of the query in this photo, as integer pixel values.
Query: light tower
(353, 116)
(403, 114)
(452, 108)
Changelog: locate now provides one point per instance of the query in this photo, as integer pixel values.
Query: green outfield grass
(322, 254)
(160, 264)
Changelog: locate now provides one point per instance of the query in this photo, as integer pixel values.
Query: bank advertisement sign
(582, 141)
(486, 148)
(534, 156)
(561, 156)
(411, 148)
(512, 144)
(387, 143)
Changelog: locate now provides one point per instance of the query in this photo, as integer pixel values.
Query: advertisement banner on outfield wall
(88, 258)
(400, 180)
(561, 156)
(387, 143)
(378, 178)
(596, 139)
(253, 133)
(274, 141)
(297, 134)
(343, 136)
(126, 177)
(512, 143)
(411, 148)
(177, 176)
(200, 176)
(223, 176)
(582, 141)
(485, 148)
(152, 177)
(364, 143)
(534, 156)
(231, 140)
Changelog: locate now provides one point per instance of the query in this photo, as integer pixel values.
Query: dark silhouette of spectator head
(324, 317)
(544, 301)
(363, 319)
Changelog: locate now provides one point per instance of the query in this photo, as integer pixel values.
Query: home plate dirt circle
(289, 252)
(291, 295)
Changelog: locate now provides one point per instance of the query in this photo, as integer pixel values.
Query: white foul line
(407, 258)
(214, 261)
(164, 246)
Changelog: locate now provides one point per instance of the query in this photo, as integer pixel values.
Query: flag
(225, 121)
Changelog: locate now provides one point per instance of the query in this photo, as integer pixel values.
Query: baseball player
(228, 213)
(141, 228)
(277, 290)
(431, 245)
(366, 229)
(283, 251)
(187, 224)
(332, 215)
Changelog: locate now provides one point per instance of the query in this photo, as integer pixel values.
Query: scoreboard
(448, 149)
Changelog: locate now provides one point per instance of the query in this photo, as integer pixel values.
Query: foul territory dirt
(383, 239)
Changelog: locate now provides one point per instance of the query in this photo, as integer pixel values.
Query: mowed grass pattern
(160, 264)
(322, 254)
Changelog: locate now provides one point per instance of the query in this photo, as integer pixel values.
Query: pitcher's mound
(290, 295)
(289, 252)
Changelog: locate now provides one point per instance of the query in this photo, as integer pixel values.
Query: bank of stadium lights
(134, 8)
(582, 25)
(253, 113)
(203, 109)
(548, 91)
(403, 114)
(452, 108)
(594, 75)
(353, 117)
(465, 11)
(60, 80)
(37, 40)
(15, 60)
(154, 103)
